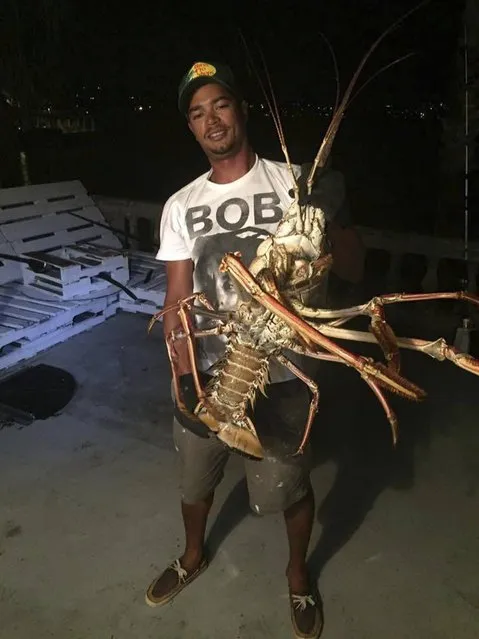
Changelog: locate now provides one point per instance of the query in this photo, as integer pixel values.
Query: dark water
(391, 165)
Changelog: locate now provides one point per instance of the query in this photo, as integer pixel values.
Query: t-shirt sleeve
(172, 241)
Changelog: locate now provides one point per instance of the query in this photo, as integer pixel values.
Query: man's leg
(299, 524)
(281, 483)
(195, 517)
(202, 463)
(275, 486)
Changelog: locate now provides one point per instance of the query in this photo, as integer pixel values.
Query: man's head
(212, 102)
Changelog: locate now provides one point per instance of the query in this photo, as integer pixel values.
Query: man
(233, 206)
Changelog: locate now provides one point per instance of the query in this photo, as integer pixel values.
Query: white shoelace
(182, 573)
(301, 601)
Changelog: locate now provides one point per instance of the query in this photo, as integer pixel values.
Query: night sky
(144, 46)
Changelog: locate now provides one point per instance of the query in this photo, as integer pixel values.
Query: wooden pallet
(39, 218)
(147, 282)
(39, 221)
(29, 325)
(74, 271)
(9, 271)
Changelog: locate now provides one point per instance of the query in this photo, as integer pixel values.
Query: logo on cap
(201, 69)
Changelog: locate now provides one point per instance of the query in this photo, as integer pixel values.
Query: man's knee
(277, 487)
(276, 502)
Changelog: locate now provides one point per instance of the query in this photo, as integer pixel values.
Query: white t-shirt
(205, 220)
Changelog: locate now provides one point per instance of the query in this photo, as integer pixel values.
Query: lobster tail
(237, 378)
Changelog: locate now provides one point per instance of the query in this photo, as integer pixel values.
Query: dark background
(109, 60)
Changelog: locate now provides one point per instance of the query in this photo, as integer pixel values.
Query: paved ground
(90, 512)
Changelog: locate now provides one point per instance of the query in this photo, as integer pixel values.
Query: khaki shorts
(274, 483)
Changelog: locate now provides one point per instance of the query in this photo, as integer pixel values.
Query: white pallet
(39, 218)
(29, 325)
(147, 282)
(73, 270)
(27, 350)
(35, 315)
(9, 271)
(146, 307)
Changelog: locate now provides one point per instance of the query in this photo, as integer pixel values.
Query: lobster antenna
(273, 108)
(336, 68)
(258, 77)
(325, 148)
(375, 75)
(283, 137)
(273, 95)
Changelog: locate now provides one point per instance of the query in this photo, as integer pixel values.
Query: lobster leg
(387, 378)
(385, 337)
(437, 349)
(313, 407)
(175, 375)
(186, 302)
(186, 332)
(170, 339)
(384, 333)
(390, 298)
(174, 366)
(391, 416)
(191, 352)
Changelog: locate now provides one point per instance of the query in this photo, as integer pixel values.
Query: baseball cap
(202, 73)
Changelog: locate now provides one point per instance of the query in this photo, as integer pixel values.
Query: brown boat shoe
(306, 616)
(171, 582)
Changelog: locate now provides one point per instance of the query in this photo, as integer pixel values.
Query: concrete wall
(139, 218)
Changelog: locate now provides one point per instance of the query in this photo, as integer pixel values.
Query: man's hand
(190, 398)
(179, 285)
(328, 192)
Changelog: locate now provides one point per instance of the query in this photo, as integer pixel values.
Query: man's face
(217, 121)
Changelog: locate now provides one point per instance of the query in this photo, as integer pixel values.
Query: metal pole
(466, 159)
(463, 334)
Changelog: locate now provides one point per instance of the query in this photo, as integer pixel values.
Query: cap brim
(193, 86)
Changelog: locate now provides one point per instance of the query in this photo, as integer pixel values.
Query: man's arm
(179, 284)
(348, 252)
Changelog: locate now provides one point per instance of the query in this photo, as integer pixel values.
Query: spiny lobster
(272, 316)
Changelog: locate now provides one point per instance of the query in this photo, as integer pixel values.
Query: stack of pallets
(147, 282)
(65, 287)
(75, 271)
(30, 325)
